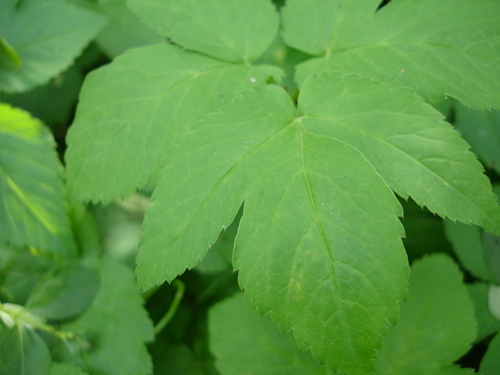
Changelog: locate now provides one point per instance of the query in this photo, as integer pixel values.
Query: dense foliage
(295, 158)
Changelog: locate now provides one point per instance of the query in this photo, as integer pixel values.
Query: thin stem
(173, 307)
(36, 323)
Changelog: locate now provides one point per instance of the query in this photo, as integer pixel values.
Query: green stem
(17, 315)
(173, 307)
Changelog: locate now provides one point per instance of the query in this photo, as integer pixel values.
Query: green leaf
(116, 325)
(494, 301)
(175, 359)
(416, 153)
(319, 241)
(235, 31)
(491, 246)
(482, 132)
(304, 247)
(486, 323)
(64, 292)
(134, 110)
(9, 58)
(33, 209)
(22, 351)
(491, 360)
(426, 337)
(66, 369)
(47, 35)
(427, 46)
(52, 103)
(21, 273)
(467, 244)
(124, 29)
(246, 343)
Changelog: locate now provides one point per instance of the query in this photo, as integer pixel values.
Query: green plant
(294, 139)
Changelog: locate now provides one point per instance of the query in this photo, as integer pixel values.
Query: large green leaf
(319, 241)
(133, 110)
(246, 343)
(426, 337)
(416, 152)
(115, 325)
(437, 48)
(232, 30)
(47, 36)
(33, 209)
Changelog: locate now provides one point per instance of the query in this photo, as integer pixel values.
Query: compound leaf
(319, 241)
(244, 342)
(235, 31)
(426, 337)
(33, 209)
(47, 36)
(133, 110)
(425, 45)
(304, 247)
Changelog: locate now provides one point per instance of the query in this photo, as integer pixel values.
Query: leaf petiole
(173, 307)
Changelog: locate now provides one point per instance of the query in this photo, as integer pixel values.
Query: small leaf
(491, 245)
(9, 58)
(116, 325)
(234, 31)
(33, 209)
(468, 245)
(23, 352)
(132, 111)
(426, 337)
(482, 132)
(491, 360)
(47, 35)
(427, 46)
(21, 273)
(246, 343)
(486, 323)
(64, 292)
